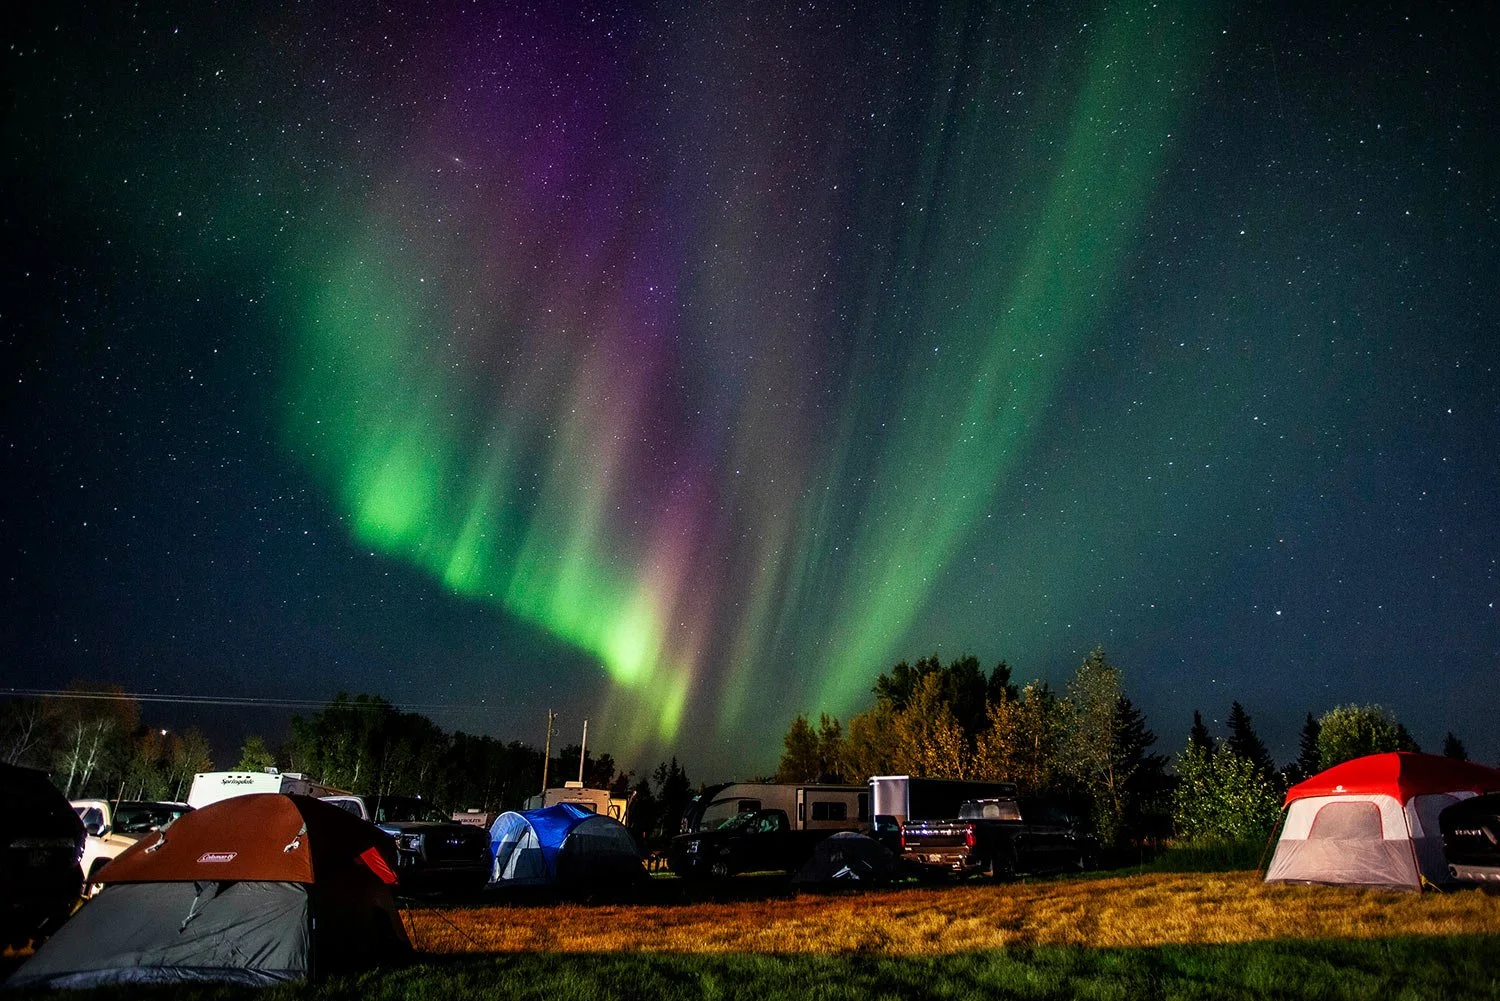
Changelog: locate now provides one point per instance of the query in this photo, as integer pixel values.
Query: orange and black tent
(255, 890)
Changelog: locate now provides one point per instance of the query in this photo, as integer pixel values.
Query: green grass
(1396, 969)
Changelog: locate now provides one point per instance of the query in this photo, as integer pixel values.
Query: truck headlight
(410, 842)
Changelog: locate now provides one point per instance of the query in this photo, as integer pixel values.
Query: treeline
(93, 742)
(1088, 744)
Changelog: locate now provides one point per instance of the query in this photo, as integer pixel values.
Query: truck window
(349, 806)
(830, 811)
(864, 806)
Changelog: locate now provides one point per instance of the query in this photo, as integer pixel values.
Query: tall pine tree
(1199, 736)
(1244, 741)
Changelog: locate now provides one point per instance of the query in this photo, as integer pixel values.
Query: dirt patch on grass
(1148, 910)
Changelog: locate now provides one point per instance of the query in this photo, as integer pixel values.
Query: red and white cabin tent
(1373, 821)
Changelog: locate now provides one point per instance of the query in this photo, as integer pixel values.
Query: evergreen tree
(999, 685)
(966, 690)
(1199, 736)
(1146, 805)
(800, 760)
(1405, 741)
(673, 790)
(1244, 741)
(1454, 748)
(1309, 761)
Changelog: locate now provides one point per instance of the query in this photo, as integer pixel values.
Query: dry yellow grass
(1146, 910)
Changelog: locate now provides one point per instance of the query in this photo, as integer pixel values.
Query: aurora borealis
(687, 365)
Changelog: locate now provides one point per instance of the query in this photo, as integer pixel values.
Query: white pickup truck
(114, 825)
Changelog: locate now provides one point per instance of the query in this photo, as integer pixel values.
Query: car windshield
(142, 818)
(405, 809)
(739, 822)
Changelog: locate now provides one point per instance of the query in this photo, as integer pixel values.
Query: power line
(230, 700)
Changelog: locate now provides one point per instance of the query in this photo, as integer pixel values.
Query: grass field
(1132, 911)
(1224, 935)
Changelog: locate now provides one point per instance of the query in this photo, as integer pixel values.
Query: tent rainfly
(564, 845)
(253, 890)
(1373, 821)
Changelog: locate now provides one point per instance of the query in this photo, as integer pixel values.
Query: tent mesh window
(1346, 821)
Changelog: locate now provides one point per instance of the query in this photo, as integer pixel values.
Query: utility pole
(583, 751)
(547, 754)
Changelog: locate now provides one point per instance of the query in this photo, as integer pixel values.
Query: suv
(432, 852)
(39, 874)
(114, 826)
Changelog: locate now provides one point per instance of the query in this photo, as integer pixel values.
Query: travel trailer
(808, 807)
(210, 787)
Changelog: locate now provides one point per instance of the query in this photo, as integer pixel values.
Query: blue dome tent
(566, 845)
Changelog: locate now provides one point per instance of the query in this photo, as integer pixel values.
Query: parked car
(432, 852)
(1001, 837)
(753, 841)
(43, 840)
(111, 827)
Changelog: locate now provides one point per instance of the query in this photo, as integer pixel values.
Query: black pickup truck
(754, 841)
(1471, 839)
(1001, 837)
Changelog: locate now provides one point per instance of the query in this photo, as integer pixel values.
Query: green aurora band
(505, 484)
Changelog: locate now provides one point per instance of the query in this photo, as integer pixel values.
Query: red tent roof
(263, 836)
(1401, 774)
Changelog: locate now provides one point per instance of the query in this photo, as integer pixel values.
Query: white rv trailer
(601, 801)
(807, 807)
(210, 787)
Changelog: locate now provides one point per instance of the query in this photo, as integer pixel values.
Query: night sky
(682, 366)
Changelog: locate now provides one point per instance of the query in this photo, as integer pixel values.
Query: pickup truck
(112, 826)
(432, 852)
(753, 841)
(1471, 839)
(1001, 837)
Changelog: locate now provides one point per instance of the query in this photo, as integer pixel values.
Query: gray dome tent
(252, 890)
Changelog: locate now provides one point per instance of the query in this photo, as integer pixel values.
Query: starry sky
(682, 366)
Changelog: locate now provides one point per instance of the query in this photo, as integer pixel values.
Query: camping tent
(1373, 821)
(847, 858)
(562, 845)
(251, 890)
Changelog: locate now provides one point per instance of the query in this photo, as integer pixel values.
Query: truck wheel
(719, 869)
(1003, 866)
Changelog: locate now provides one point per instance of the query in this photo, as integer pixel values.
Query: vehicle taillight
(903, 837)
(968, 835)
